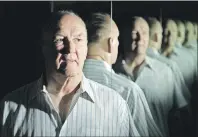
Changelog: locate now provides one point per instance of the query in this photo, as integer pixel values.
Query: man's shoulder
(103, 92)
(125, 82)
(20, 94)
(159, 65)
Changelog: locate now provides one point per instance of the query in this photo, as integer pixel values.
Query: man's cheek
(82, 53)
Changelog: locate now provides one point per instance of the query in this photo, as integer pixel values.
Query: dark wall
(21, 23)
(20, 29)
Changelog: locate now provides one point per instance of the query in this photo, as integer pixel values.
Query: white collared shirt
(179, 79)
(98, 111)
(162, 93)
(101, 72)
(186, 63)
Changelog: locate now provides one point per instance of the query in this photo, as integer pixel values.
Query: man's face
(170, 35)
(70, 46)
(195, 31)
(140, 37)
(159, 32)
(189, 31)
(115, 35)
(181, 33)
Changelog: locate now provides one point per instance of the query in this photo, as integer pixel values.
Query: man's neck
(152, 44)
(59, 85)
(133, 64)
(61, 90)
(96, 52)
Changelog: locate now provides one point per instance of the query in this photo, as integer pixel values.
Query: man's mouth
(64, 60)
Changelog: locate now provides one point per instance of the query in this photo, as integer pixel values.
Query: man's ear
(110, 45)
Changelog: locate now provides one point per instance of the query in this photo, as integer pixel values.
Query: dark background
(21, 22)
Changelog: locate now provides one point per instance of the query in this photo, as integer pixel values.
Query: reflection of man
(154, 78)
(68, 104)
(102, 53)
(155, 41)
(154, 46)
(170, 37)
(190, 34)
(178, 54)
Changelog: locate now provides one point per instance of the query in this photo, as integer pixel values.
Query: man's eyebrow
(79, 35)
(58, 34)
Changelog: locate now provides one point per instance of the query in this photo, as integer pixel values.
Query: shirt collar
(100, 63)
(149, 62)
(38, 87)
(175, 50)
(152, 51)
(190, 44)
(178, 45)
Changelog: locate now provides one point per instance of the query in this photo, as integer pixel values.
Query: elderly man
(189, 44)
(67, 104)
(169, 38)
(155, 41)
(190, 40)
(154, 78)
(195, 34)
(102, 53)
(178, 54)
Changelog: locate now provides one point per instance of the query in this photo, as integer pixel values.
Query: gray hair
(97, 26)
(52, 26)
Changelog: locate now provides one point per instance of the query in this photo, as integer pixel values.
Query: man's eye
(58, 40)
(77, 39)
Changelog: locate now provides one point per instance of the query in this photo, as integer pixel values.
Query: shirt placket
(54, 114)
(73, 104)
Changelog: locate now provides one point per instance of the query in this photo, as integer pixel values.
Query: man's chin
(68, 73)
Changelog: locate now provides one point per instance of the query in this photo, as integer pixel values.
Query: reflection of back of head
(98, 28)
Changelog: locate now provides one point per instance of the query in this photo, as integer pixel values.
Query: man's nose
(69, 46)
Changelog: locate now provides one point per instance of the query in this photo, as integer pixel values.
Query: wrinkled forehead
(71, 23)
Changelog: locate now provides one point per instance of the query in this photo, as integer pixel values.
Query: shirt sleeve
(180, 97)
(142, 115)
(4, 131)
(1, 116)
(181, 83)
(128, 127)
